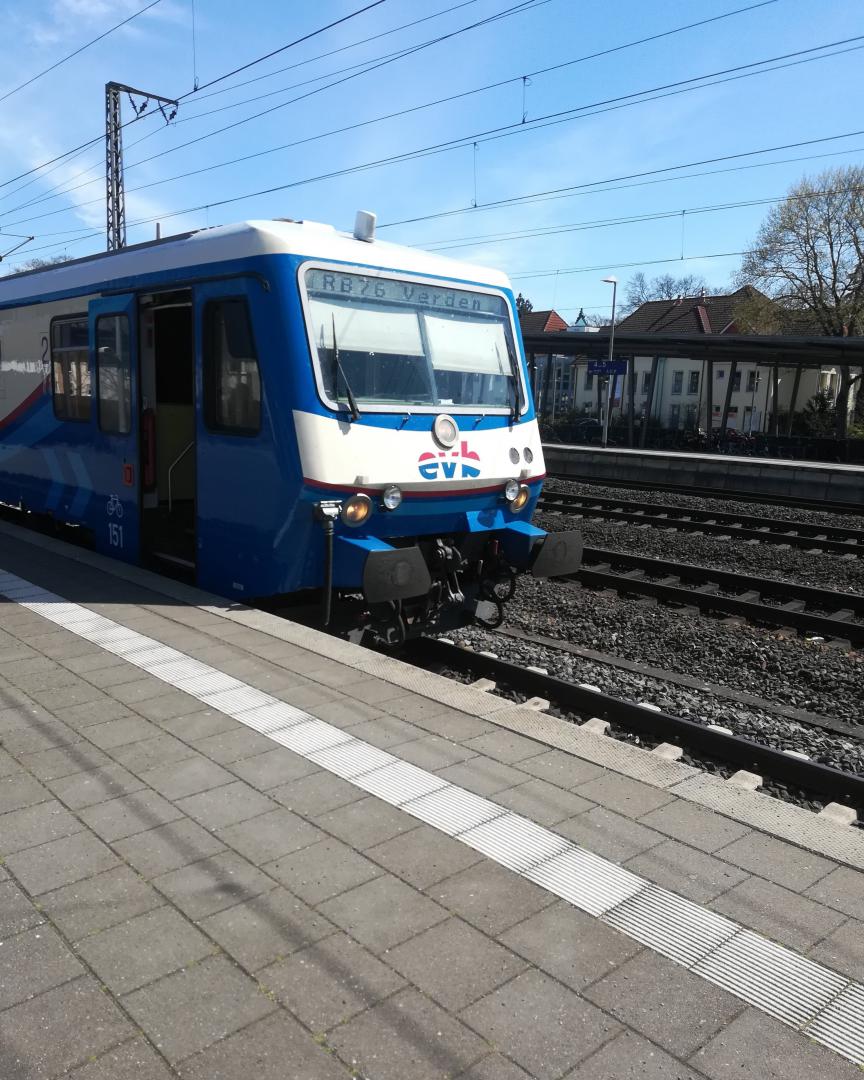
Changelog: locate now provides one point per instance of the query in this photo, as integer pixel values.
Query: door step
(177, 560)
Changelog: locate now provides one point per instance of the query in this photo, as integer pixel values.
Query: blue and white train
(277, 407)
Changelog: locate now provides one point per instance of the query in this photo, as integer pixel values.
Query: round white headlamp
(392, 497)
(511, 490)
(446, 430)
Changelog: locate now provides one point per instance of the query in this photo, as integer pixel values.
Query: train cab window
(70, 368)
(113, 374)
(232, 382)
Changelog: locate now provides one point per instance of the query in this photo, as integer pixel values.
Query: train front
(421, 454)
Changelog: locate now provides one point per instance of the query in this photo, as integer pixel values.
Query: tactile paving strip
(808, 997)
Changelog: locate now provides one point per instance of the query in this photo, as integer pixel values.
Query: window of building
(113, 374)
(693, 385)
(690, 417)
(736, 382)
(589, 380)
(646, 381)
(674, 415)
(232, 382)
(70, 368)
(677, 382)
(751, 381)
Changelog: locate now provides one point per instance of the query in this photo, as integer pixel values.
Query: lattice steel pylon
(115, 196)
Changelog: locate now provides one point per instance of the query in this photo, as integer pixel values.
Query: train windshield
(388, 343)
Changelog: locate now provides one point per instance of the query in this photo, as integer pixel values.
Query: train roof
(228, 243)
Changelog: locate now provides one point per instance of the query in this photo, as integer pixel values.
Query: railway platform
(836, 486)
(234, 846)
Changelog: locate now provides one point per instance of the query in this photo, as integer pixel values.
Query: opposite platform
(274, 850)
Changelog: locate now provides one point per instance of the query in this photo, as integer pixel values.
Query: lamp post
(613, 281)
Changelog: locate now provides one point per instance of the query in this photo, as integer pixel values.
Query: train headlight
(392, 497)
(445, 430)
(522, 497)
(511, 490)
(356, 510)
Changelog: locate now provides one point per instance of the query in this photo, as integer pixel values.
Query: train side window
(232, 381)
(113, 374)
(70, 368)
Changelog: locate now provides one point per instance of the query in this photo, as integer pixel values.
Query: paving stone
(842, 950)
(658, 998)
(308, 696)
(86, 789)
(233, 745)
(778, 861)
(269, 836)
(365, 823)
(267, 928)
(609, 834)
(506, 746)
(98, 902)
(210, 885)
(184, 1013)
(383, 912)
(330, 981)
(494, 1067)
(778, 913)
(276, 1048)
(434, 752)
(276, 767)
(490, 897)
(94, 712)
(168, 847)
(57, 701)
(683, 869)
(441, 720)
(322, 870)
(226, 805)
(34, 825)
(112, 674)
(482, 775)
(131, 693)
(61, 862)
(8, 765)
(160, 759)
(630, 1057)
(568, 944)
(406, 1036)
(135, 813)
(757, 1045)
(47, 1035)
(189, 724)
(842, 889)
(131, 729)
(32, 962)
(39, 735)
(374, 691)
(629, 797)
(347, 712)
(134, 953)
(168, 706)
(187, 777)
(695, 825)
(47, 678)
(454, 964)
(423, 856)
(134, 1060)
(20, 790)
(542, 802)
(384, 731)
(541, 1025)
(316, 793)
(16, 911)
(59, 762)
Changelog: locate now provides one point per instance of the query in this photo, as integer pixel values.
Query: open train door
(113, 336)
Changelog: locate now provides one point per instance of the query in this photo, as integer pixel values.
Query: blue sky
(792, 104)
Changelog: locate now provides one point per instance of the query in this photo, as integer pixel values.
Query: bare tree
(665, 287)
(807, 259)
(39, 264)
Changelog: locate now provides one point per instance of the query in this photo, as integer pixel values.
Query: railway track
(739, 526)
(708, 741)
(764, 601)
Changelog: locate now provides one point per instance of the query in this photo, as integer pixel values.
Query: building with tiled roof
(701, 314)
(541, 322)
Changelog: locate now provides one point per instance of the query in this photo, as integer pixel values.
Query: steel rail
(667, 583)
(740, 526)
(837, 785)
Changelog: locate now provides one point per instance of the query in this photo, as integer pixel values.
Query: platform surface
(186, 894)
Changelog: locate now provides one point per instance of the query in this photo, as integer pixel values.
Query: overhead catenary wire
(503, 131)
(78, 51)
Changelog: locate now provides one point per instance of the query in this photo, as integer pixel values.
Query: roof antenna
(364, 226)
(158, 230)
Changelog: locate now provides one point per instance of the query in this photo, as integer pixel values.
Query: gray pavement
(179, 897)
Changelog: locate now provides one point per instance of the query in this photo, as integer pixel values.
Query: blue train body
(247, 403)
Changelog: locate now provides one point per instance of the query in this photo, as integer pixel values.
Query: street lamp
(613, 281)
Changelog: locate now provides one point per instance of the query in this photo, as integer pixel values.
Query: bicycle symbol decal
(114, 507)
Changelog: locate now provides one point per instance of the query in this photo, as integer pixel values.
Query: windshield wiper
(339, 370)
(512, 384)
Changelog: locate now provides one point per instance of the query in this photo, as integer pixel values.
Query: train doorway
(168, 467)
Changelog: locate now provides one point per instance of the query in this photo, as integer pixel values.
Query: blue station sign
(607, 367)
